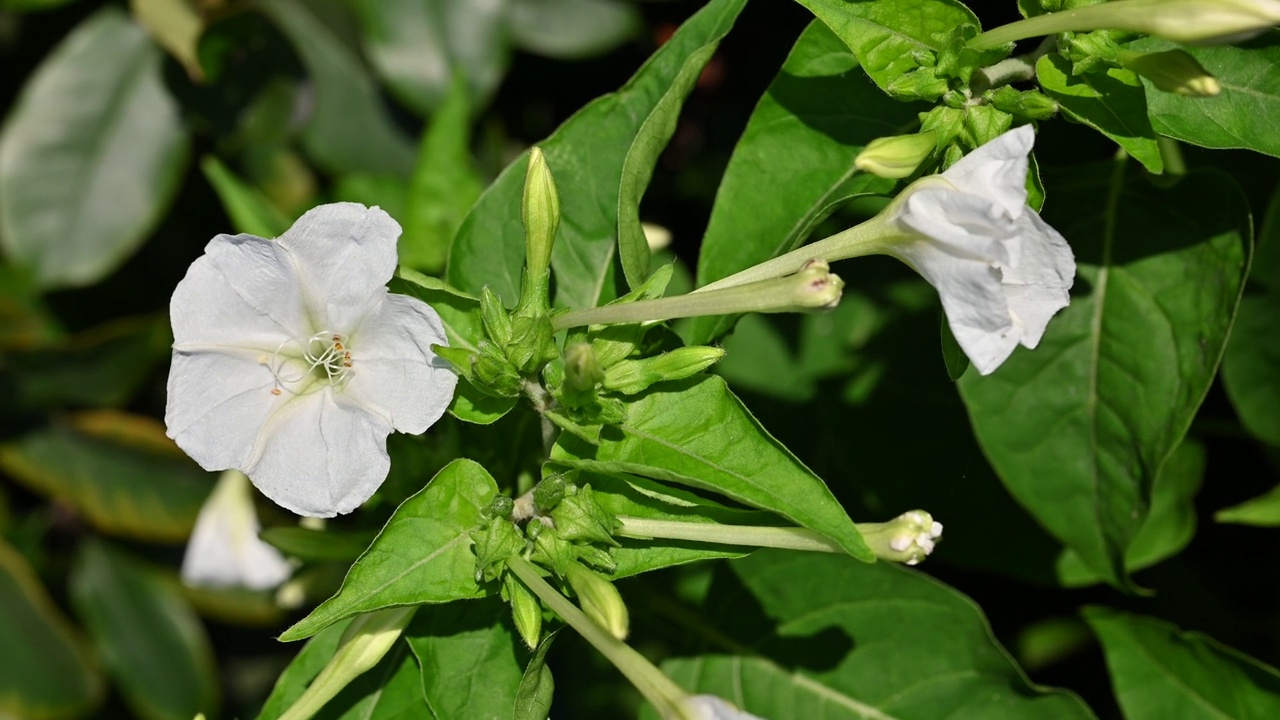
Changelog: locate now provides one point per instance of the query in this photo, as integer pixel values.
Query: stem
(541, 401)
(1048, 24)
(787, 538)
(661, 691)
(1012, 70)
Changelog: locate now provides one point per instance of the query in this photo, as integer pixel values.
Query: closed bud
(501, 506)
(1174, 71)
(898, 156)
(494, 374)
(908, 538)
(599, 599)
(540, 211)
(548, 494)
(581, 371)
(633, 376)
(1029, 104)
(526, 610)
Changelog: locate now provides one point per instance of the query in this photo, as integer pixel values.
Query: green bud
(579, 518)
(634, 376)
(526, 610)
(947, 122)
(983, 123)
(550, 550)
(896, 156)
(532, 343)
(1031, 104)
(497, 321)
(922, 83)
(597, 558)
(908, 538)
(501, 506)
(494, 374)
(1174, 71)
(540, 211)
(581, 371)
(599, 599)
(548, 494)
(494, 543)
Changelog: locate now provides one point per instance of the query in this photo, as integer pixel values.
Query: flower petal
(710, 707)
(318, 458)
(242, 292)
(345, 253)
(224, 549)
(1037, 284)
(217, 402)
(997, 170)
(396, 375)
(962, 225)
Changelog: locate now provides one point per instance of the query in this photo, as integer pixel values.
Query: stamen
(323, 351)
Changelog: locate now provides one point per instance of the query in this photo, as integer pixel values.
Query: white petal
(345, 253)
(224, 549)
(962, 225)
(318, 458)
(241, 292)
(217, 402)
(997, 171)
(395, 374)
(1036, 286)
(710, 707)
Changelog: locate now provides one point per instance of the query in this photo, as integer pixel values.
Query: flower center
(324, 357)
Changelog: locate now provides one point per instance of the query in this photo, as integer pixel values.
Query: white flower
(1000, 270)
(710, 707)
(224, 549)
(292, 362)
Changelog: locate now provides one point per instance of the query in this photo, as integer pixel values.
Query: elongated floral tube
(1187, 21)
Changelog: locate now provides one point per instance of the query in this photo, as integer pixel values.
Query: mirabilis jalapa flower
(292, 362)
(1000, 271)
(224, 549)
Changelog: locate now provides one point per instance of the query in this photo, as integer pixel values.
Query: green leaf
(698, 433)
(444, 187)
(392, 690)
(249, 211)
(304, 667)
(1112, 102)
(537, 686)
(1169, 525)
(1079, 429)
(418, 46)
(91, 155)
(1162, 673)
(885, 35)
(571, 29)
(151, 641)
(118, 470)
(45, 669)
(913, 648)
(422, 555)
(470, 658)
(317, 545)
(1239, 117)
(1262, 511)
(586, 154)
(349, 129)
(817, 115)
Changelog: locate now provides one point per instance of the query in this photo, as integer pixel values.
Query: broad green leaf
(1168, 527)
(423, 554)
(1263, 511)
(152, 643)
(1240, 117)
(815, 118)
(304, 667)
(103, 366)
(637, 168)
(886, 34)
(1079, 428)
(118, 470)
(698, 433)
(464, 328)
(471, 660)
(46, 671)
(586, 154)
(1251, 367)
(1162, 673)
(444, 187)
(91, 154)
(418, 46)
(914, 649)
(349, 129)
(1112, 102)
(249, 211)
(571, 29)
(537, 686)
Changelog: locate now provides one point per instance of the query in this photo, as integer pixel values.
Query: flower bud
(908, 538)
(548, 494)
(532, 343)
(634, 376)
(1174, 71)
(526, 611)
(540, 211)
(599, 599)
(581, 371)
(897, 156)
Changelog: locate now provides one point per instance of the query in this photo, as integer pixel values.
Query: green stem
(661, 691)
(787, 538)
(1111, 15)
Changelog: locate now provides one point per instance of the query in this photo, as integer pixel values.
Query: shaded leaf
(571, 29)
(1263, 511)
(249, 211)
(470, 658)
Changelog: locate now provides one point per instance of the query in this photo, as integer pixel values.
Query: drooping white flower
(292, 362)
(224, 549)
(710, 707)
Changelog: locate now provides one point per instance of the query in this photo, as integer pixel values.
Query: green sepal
(1029, 104)
(494, 372)
(1091, 52)
(581, 369)
(921, 83)
(497, 321)
(494, 543)
(532, 344)
(598, 558)
(526, 610)
(958, 60)
(579, 518)
(549, 549)
(630, 377)
(984, 123)
(612, 343)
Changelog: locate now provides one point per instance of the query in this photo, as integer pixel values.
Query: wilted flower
(292, 362)
(224, 549)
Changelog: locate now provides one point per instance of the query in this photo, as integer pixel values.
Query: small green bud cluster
(561, 528)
